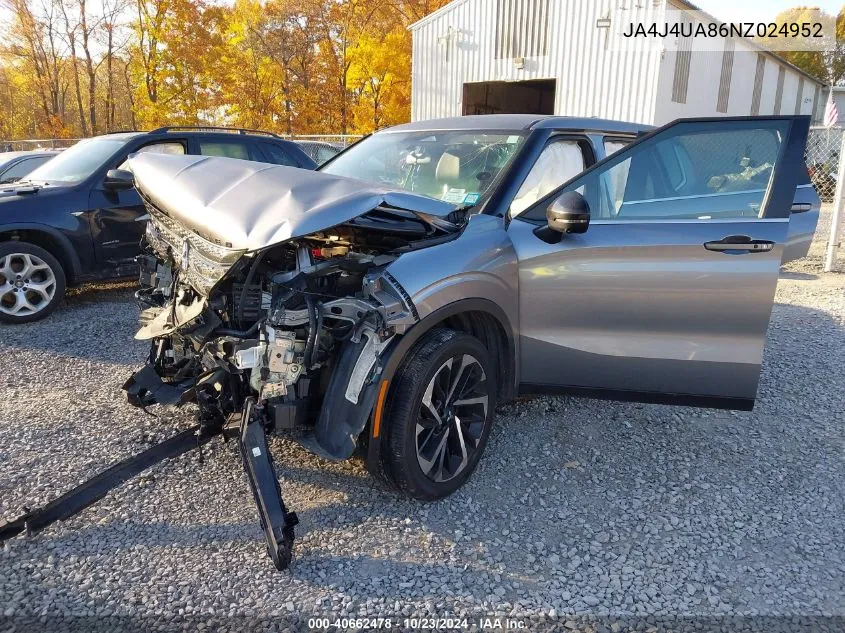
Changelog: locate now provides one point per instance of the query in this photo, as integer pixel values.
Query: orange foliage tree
(71, 68)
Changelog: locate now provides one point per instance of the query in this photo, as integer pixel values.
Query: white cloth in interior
(558, 163)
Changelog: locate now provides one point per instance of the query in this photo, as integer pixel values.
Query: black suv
(68, 222)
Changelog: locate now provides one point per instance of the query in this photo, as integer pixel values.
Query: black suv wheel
(32, 282)
(439, 414)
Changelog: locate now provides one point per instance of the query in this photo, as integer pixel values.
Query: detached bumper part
(145, 388)
(276, 521)
(91, 491)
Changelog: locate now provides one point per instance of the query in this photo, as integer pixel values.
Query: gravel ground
(580, 511)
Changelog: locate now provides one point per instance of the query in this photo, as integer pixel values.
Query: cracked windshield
(457, 167)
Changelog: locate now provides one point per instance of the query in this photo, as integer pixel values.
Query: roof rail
(212, 128)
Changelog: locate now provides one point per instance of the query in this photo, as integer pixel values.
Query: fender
(68, 254)
(393, 356)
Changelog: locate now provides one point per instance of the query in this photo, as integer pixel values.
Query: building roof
(519, 122)
(446, 8)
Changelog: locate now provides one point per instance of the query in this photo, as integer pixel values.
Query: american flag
(831, 112)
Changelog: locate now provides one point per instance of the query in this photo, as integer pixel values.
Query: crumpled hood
(247, 205)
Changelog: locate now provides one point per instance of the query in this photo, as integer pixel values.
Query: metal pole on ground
(838, 204)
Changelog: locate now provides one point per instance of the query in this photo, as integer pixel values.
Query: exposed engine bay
(286, 339)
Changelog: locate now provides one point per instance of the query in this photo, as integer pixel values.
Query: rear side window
(277, 155)
(226, 149)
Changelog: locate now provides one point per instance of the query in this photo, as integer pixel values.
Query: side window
(558, 162)
(611, 146)
(226, 149)
(165, 147)
(277, 155)
(21, 169)
(325, 153)
(721, 170)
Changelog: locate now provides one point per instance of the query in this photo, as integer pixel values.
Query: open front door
(667, 295)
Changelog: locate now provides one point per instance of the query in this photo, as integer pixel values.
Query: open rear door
(667, 295)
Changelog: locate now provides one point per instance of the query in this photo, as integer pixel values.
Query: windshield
(456, 166)
(78, 162)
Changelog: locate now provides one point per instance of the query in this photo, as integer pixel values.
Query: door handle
(739, 244)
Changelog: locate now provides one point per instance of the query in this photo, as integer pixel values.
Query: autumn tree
(380, 76)
(81, 67)
(827, 62)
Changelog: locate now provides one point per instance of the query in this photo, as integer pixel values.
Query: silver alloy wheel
(451, 418)
(27, 284)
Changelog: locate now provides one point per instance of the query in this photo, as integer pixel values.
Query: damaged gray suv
(386, 303)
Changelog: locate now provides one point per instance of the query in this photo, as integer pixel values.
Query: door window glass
(166, 147)
(325, 153)
(22, 168)
(227, 149)
(690, 171)
(558, 162)
(277, 155)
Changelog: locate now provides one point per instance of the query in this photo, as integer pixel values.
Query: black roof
(200, 130)
(520, 122)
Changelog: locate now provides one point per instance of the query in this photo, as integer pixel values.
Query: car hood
(247, 205)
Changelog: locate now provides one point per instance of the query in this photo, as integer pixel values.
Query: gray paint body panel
(643, 306)
(481, 262)
(802, 226)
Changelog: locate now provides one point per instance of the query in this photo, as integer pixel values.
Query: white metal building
(548, 57)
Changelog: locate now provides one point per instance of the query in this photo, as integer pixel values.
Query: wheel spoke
(428, 463)
(460, 446)
(468, 402)
(45, 288)
(22, 305)
(6, 268)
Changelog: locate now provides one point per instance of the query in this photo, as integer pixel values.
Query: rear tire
(32, 282)
(439, 414)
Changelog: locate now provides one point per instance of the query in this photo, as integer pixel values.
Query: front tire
(439, 414)
(32, 282)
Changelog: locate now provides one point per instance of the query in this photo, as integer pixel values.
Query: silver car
(387, 302)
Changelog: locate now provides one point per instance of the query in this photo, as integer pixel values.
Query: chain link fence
(822, 157)
(31, 144)
(339, 141)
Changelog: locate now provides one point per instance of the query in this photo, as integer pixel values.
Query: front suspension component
(276, 521)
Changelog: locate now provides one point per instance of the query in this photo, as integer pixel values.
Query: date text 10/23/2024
(440, 624)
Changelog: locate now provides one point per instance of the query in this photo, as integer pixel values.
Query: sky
(759, 10)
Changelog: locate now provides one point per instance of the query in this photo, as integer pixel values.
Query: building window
(758, 84)
(779, 91)
(682, 62)
(725, 79)
(799, 95)
(522, 28)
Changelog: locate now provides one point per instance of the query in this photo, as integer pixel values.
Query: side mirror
(118, 180)
(569, 213)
